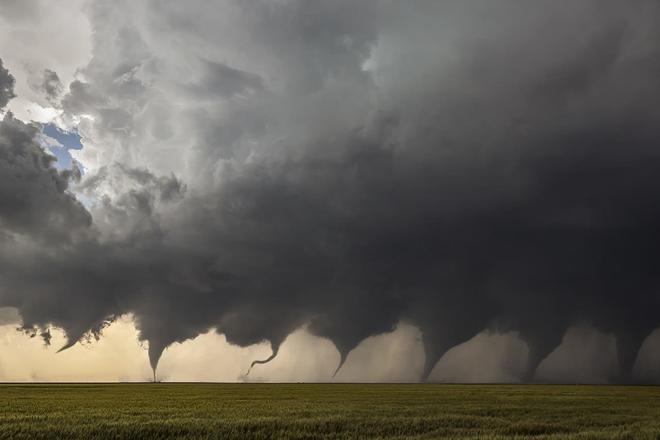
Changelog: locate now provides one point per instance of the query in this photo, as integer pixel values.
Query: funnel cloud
(254, 168)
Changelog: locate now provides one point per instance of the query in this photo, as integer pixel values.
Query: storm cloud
(254, 168)
(6, 86)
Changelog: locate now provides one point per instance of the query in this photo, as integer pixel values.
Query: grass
(328, 411)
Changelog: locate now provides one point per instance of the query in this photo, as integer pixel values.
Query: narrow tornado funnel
(275, 349)
(155, 351)
(628, 344)
(342, 360)
(540, 343)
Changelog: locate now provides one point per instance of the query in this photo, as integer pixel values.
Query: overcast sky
(338, 190)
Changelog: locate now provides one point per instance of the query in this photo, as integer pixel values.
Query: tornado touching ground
(254, 168)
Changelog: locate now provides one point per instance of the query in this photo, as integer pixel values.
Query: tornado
(275, 349)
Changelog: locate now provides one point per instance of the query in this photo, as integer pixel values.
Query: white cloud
(37, 35)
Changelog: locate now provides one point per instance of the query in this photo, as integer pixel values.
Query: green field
(320, 411)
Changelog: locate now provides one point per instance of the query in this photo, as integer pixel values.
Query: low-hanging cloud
(459, 166)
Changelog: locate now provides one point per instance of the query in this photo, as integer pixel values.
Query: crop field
(325, 411)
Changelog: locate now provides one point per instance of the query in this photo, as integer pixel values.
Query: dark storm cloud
(34, 196)
(498, 170)
(6, 86)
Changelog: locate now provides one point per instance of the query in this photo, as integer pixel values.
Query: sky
(311, 190)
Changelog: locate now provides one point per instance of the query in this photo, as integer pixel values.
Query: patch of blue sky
(60, 143)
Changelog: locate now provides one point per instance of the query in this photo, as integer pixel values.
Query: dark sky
(256, 167)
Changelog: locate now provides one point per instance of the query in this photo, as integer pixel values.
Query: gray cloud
(51, 85)
(19, 10)
(6, 86)
(459, 166)
(34, 196)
